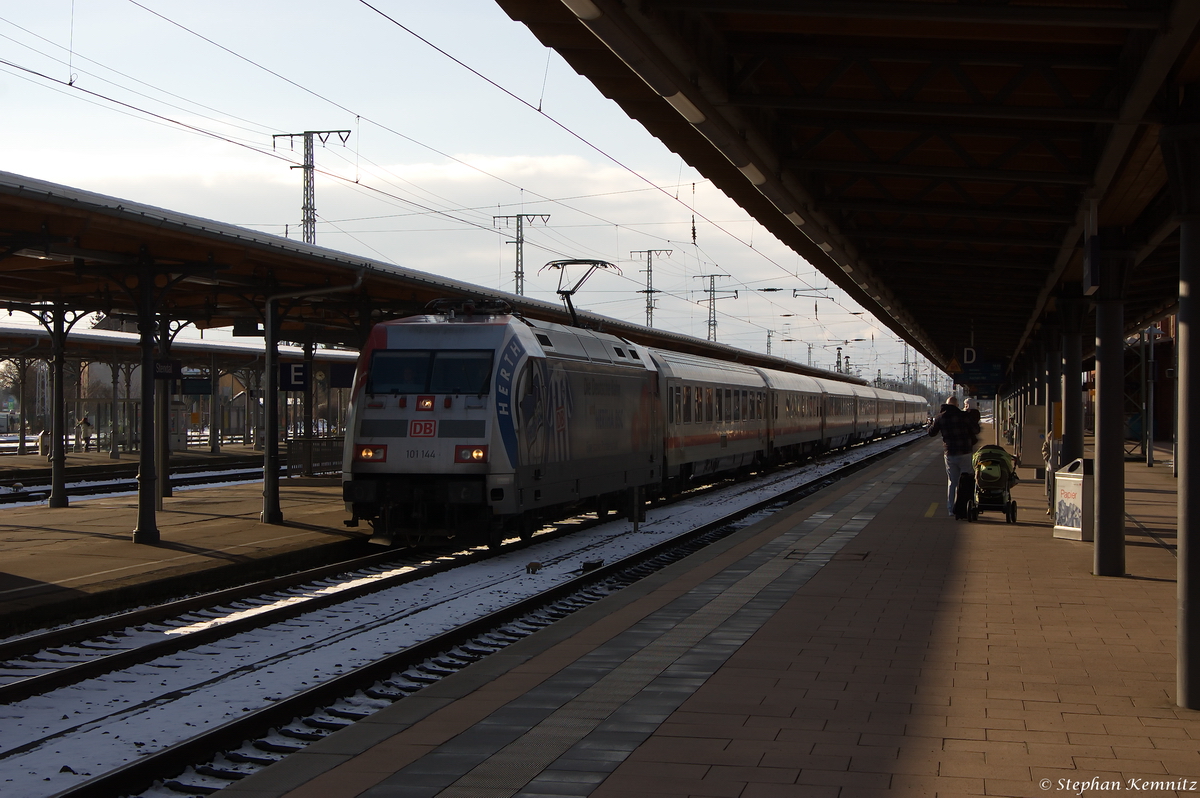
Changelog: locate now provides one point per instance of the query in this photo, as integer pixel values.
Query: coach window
(675, 405)
(720, 408)
(745, 405)
(699, 404)
(687, 404)
(708, 405)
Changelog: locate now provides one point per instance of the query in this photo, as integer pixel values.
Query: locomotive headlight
(470, 454)
(425, 403)
(365, 453)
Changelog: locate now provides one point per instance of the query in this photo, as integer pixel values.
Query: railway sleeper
(402, 686)
(348, 714)
(435, 668)
(273, 747)
(303, 734)
(221, 773)
(174, 785)
(328, 724)
(243, 758)
(386, 695)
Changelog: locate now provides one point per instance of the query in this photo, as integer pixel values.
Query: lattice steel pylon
(712, 301)
(308, 224)
(650, 290)
(521, 218)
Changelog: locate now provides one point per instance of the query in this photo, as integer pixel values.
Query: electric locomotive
(470, 422)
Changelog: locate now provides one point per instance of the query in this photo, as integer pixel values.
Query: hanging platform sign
(168, 369)
(195, 386)
(293, 376)
(975, 370)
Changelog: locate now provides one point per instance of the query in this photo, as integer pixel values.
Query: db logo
(422, 429)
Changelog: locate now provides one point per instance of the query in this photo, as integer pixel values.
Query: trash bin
(1073, 508)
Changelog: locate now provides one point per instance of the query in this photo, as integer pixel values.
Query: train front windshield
(426, 371)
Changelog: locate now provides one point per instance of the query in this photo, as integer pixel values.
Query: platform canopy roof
(940, 161)
(86, 252)
(115, 346)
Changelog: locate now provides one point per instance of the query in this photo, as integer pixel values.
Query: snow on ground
(99, 724)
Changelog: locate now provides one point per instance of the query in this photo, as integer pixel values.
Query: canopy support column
(1114, 263)
(1181, 155)
(1071, 315)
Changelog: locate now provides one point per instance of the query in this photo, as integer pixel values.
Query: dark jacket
(959, 430)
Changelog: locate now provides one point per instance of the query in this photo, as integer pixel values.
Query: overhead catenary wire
(537, 109)
(459, 215)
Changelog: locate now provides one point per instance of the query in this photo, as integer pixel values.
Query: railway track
(122, 478)
(123, 649)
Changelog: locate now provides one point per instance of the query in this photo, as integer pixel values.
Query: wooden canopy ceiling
(940, 161)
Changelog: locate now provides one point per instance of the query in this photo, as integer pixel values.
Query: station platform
(58, 564)
(858, 643)
(33, 466)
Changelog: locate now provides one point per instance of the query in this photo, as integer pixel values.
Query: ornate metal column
(214, 407)
(271, 512)
(114, 425)
(308, 408)
(142, 288)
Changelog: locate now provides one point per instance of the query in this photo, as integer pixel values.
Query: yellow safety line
(932, 509)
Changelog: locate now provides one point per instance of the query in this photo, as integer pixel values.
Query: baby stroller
(994, 476)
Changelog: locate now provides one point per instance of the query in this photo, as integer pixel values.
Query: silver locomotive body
(474, 426)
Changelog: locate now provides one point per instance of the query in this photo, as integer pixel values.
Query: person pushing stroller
(959, 431)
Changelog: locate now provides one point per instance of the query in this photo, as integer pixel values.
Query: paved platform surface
(61, 563)
(860, 643)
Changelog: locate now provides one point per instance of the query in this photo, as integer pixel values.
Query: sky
(456, 115)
